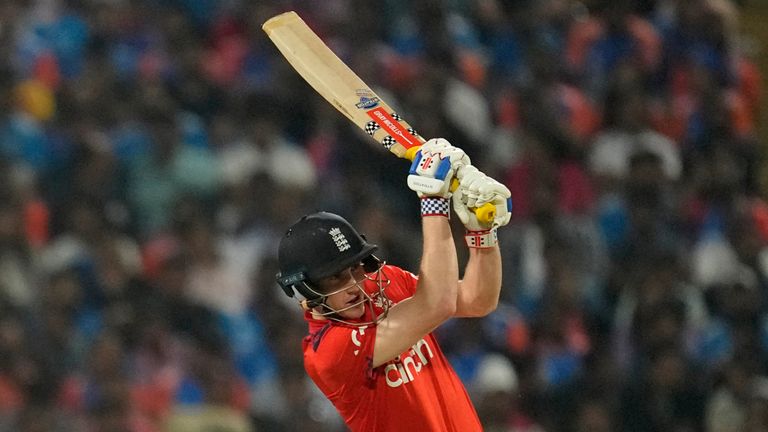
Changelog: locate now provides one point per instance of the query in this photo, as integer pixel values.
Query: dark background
(153, 152)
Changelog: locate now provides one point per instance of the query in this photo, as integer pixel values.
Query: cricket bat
(343, 89)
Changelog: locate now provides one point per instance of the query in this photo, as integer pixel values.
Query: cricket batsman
(370, 347)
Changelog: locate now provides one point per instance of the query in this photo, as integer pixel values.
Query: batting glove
(433, 168)
(476, 189)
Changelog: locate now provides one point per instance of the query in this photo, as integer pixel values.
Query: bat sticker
(371, 127)
(368, 100)
(388, 122)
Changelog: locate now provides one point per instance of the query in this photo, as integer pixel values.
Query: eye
(340, 275)
(331, 283)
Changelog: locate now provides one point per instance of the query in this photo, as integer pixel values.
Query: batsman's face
(345, 294)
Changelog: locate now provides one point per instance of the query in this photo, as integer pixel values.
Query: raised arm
(435, 297)
(479, 289)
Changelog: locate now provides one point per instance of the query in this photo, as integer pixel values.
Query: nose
(352, 288)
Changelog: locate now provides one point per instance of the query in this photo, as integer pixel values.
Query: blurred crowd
(154, 151)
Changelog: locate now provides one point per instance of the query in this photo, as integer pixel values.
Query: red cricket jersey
(417, 391)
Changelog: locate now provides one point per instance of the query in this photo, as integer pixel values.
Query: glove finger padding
(470, 182)
(499, 195)
(476, 189)
(434, 166)
(462, 211)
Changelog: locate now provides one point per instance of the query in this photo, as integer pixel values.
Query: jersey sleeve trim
(317, 336)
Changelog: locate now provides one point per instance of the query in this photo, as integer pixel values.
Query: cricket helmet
(317, 246)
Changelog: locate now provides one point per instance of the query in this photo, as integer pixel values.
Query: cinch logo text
(403, 370)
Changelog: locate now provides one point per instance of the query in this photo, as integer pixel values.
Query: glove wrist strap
(435, 206)
(482, 239)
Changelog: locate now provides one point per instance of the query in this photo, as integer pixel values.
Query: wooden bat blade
(339, 85)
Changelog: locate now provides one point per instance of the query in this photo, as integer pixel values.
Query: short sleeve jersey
(418, 390)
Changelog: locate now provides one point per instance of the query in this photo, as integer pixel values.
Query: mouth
(354, 300)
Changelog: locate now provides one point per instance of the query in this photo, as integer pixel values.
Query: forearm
(438, 272)
(434, 300)
(480, 287)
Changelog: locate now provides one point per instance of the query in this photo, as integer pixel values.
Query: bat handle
(486, 213)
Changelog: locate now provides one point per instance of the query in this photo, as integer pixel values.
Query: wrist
(435, 206)
(481, 239)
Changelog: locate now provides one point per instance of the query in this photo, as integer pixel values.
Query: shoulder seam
(318, 336)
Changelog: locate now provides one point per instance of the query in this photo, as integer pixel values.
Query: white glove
(433, 168)
(476, 189)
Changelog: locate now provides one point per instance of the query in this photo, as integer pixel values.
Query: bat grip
(486, 213)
